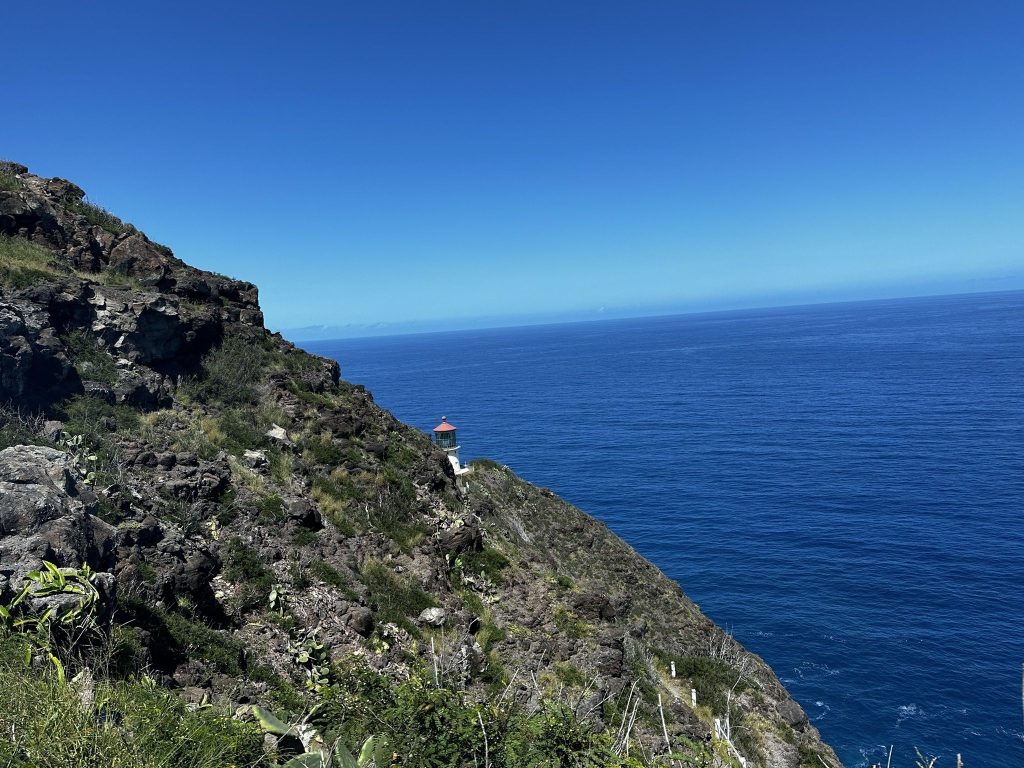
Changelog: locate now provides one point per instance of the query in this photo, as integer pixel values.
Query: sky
(418, 165)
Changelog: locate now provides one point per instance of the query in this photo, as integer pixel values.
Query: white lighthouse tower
(444, 437)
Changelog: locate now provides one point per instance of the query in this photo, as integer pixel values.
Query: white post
(693, 697)
(673, 670)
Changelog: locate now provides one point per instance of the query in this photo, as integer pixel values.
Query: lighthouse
(444, 437)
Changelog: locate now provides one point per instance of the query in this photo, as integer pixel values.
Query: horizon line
(648, 315)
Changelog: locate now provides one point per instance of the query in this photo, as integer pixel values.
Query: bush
(95, 419)
(240, 430)
(328, 574)
(19, 428)
(711, 678)
(230, 373)
(91, 361)
(8, 181)
(489, 562)
(322, 450)
(271, 509)
(394, 598)
(243, 566)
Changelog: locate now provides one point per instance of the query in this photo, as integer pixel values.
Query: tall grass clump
(52, 723)
(100, 217)
(230, 374)
(8, 181)
(23, 263)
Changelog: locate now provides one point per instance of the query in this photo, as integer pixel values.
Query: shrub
(19, 428)
(555, 737)
(711, 678)
(322, 450)
(569, 624)
(95, 419)
(489, 562)
(328, 574)
(239, 429)
(91, 361)
(23, 263)
(243, 566)
(271, 509)
(230, 373)
(394, 598)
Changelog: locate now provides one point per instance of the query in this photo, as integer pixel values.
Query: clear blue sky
(376, 161)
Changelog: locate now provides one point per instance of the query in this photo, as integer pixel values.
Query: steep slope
(263, 533)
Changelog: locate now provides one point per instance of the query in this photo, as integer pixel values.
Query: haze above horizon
(408, 167)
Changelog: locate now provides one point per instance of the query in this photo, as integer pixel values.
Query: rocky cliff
(260, 532)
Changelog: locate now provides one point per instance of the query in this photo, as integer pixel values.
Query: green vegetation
(100, 217)
(125, 723)
(712, 678)
(91, 361)
(243, 566)
(95, 419)
(326, 573)
(230, 374)
(8, 181)
(569, 624)
(485, 464)
(394, 513)
(322, 450)
(23, 263)
(240, 429)
(488, 561)
(271, 509)
(395, 598)
(19, 428)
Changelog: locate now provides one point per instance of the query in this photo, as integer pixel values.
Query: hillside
(239, 528)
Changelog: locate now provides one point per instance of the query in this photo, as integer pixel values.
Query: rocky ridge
(239, 500)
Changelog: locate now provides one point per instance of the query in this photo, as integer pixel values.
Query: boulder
(432, 617)
(46, 514)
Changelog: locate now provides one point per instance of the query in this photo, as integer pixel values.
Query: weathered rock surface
(46, 513)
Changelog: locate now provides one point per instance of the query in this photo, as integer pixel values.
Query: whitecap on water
(906, 712)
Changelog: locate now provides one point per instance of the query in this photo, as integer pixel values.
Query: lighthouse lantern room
(444, 437)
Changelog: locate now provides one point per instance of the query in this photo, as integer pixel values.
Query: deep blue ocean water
(841, 486)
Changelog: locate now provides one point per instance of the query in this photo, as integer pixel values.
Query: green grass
(129, 724)
(23, 263)
(328, 574)
(487, 561)
(711, 678)
(99, 216)
(9, 182)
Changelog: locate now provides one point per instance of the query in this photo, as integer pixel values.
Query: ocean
(841, 486)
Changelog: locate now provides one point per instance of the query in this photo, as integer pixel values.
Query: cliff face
(256, 523)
